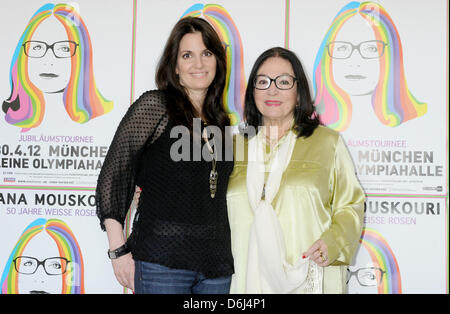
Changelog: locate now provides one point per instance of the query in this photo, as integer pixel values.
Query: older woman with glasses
(295, 205)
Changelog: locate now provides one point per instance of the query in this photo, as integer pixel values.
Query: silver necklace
(213, 175)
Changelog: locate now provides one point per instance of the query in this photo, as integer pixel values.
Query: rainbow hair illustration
(25, 107)
(392, 102)
(72, 279)
(225, 27)
(383, 257)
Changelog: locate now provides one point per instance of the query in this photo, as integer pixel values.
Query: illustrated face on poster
(361, 54)
(37, 274)
(356, 65)
(54, 55)
(365, 277)
(49, 53)
(376, 269)
(46, 259)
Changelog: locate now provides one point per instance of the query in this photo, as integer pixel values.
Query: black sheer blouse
(177, 223)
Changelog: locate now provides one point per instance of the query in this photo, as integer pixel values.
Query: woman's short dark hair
(180, 108)
(305, 117)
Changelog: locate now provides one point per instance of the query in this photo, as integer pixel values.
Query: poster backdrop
(69, 71)
(378, 71)
(63, 92)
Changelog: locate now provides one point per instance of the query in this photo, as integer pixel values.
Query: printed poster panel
(63, 94)
(403, 247)
(63, 91)
(52, 243)
(378, 71)
(243, 32)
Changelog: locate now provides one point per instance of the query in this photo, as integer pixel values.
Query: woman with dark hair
(181, 239)
(294, 203)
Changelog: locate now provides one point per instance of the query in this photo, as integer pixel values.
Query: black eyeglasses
(283, 82)
(371, 49)
(367, 276)
(61, 49)
(52, 266)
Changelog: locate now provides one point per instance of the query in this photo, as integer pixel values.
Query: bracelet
(113, 254)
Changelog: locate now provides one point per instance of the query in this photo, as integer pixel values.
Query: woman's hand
(123, 266)
(318, 252)
(124, 270)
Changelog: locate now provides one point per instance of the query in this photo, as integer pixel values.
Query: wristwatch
(122, 250)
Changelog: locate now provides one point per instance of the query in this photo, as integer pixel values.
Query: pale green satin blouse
(319, 198)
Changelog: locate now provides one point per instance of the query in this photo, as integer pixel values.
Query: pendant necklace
(213, 175)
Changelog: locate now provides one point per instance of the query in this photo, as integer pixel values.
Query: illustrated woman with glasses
(46, 259)
(51, 72)
(375, 268)
(361, 61)
(294, 203)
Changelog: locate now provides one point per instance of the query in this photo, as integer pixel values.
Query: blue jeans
(157, 279)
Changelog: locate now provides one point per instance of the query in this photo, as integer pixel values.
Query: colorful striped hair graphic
(392, 102)
(225, 27)
(68, 247)
(72, 279)
(25, 107)
(383, 257)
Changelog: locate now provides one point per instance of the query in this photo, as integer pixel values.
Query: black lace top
(177, 224)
